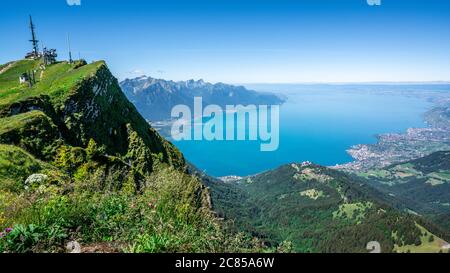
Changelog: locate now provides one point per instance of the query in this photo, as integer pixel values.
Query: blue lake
(318, 123)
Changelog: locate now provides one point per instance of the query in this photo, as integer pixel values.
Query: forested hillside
(322, 210)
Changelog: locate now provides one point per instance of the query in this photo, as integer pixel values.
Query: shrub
(32, 238)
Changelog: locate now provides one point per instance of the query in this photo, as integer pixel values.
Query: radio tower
(33, 39)
(70, 50)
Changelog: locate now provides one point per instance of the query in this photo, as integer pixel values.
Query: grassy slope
(56, 80)
(17, 164)
(19, 121)
(427, 246)
(33, 131)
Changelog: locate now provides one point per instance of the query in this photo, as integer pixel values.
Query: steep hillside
(85, 102)
(79, 163)
(155, 98)
(421, 185)
(320, 210)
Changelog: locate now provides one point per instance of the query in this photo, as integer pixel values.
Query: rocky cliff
(91, 107)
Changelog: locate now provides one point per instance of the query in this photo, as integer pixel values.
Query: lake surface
(318, 123)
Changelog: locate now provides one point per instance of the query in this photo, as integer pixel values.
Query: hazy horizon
(444, 82)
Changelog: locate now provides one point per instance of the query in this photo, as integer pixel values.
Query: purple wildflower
(8, 230)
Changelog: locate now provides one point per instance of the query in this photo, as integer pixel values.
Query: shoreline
(392, 148)
(389, 148)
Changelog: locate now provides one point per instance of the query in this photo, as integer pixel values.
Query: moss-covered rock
(33, 131)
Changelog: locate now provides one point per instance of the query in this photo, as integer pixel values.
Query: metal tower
(33, 39)
(70, 50)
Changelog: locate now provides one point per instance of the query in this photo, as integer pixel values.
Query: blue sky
(245, 41)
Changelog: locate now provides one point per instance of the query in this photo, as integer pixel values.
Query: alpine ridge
(155, 98)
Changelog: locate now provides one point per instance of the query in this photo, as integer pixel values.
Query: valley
(323, 210)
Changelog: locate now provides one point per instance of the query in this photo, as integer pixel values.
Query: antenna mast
(70, 50)
(33, 40)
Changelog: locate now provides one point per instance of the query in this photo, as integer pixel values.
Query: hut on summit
(24, 78)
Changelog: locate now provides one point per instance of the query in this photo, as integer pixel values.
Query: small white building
(24, 78)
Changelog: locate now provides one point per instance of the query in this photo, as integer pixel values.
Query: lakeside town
(415, 143)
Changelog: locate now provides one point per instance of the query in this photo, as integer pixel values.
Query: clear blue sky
(246, 41)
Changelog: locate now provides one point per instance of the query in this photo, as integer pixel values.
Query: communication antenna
(33, 40)
(70, 50)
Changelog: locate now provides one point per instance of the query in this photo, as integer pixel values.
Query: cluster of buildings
(48, 57)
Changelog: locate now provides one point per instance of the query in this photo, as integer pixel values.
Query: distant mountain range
(155, 98)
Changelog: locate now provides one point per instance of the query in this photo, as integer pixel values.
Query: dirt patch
(6, 68)
(101, 248)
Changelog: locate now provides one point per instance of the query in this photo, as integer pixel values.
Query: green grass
(353, 211)
(444, 175)
(56, 80)
(441, 175)
(9, 79)
(376, 174)
(170, 216)
(311, 174)
(312, 194)
(19, 121)
(16, 165)
(438, 178)
(405, 170)
(426, 245)
(33, 131)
